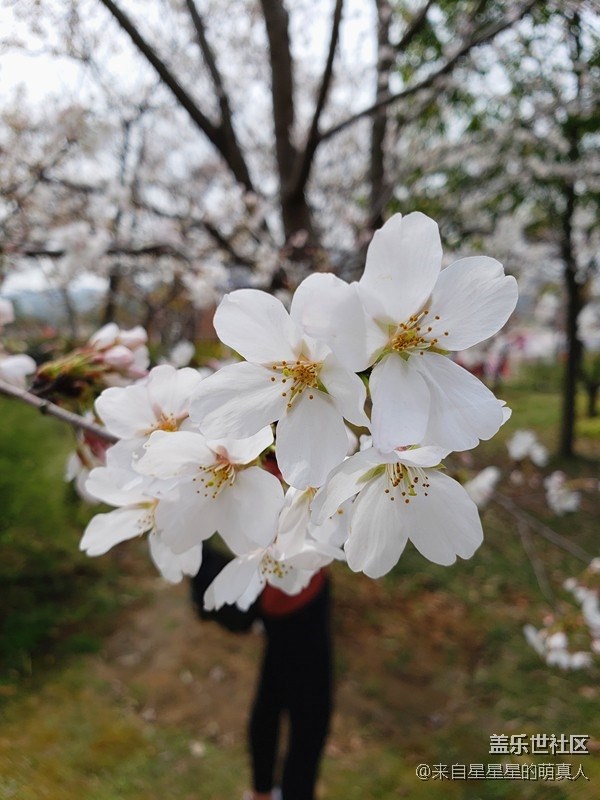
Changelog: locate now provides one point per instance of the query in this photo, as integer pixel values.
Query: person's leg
(264, 723)
(308, 692)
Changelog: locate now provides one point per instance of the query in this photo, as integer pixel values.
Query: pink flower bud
(133, 338)
(119, 357)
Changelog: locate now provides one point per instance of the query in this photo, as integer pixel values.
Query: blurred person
(295, 679)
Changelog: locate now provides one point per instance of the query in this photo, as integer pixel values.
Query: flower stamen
(218, 476)
(412, 336)
(407, 479)
(303, 375)
(269, 566)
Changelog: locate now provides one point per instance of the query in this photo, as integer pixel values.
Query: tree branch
(115, 250)
(414, 29)
(478, 38)
(537, 565)
(233, 148)
(539, 527)
(312, 140)
(46, 407)
(282, 84)
(211, 131)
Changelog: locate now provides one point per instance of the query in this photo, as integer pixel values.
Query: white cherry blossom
(416, 313)
(288, 377)
(524, 444)
(560, 498)
(288, 563)
(481, 488)
(400, 495)
(135, 503)
(219, 487)
(137, 499)
(159, 402)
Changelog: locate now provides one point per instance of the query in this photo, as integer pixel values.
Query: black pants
(295, 677)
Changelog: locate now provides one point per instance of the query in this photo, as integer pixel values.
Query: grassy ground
(110, 688)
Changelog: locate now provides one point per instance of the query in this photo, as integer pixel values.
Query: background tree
(231, 138)
(516, 160)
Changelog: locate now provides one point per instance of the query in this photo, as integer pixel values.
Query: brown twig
(46, 407)
(538, 567)
(539, 527)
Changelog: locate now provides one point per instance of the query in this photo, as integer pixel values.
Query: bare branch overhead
(214, 133)
(282, 83)
(232, 145)
(312, 139)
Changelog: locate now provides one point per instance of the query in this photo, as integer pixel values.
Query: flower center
(164, 422)
(215, 478)
(407, 480)
(146, 523)
(296, 376)
(270, 567)
(414, 336)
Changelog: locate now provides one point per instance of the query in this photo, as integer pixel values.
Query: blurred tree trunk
(592, 390)
(573, 307)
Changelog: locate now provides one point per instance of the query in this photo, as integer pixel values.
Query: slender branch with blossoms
(262, 450)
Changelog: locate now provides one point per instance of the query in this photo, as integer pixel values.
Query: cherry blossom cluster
(259, 451)
(562, 495)
(111, 357)
(557, 639)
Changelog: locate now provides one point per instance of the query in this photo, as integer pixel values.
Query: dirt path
(176, 670)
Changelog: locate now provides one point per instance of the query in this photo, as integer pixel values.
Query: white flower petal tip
(403, 263)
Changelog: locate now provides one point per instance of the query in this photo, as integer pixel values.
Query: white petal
(126, 412)
(249, 509)
(292, 528)
(243, 451)
(400, 403)
(106, 530)
(344, 482)
(251, 592)
(311, 440)
(186, 519)
(237, 401)
(257, 326)
(170, 454)
(377, 535)
(473, 299)
(331, 310)
(427, 456)
(173, 566)
(117, 487)
(123, 454)
(170, 389)
(347, 391)
(462, 410)
(446, 523)
(233, 580)
(293, 580)
(106, 336)
(403, 263)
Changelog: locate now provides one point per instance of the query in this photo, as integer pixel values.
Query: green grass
(49, 588)
(71, 740)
